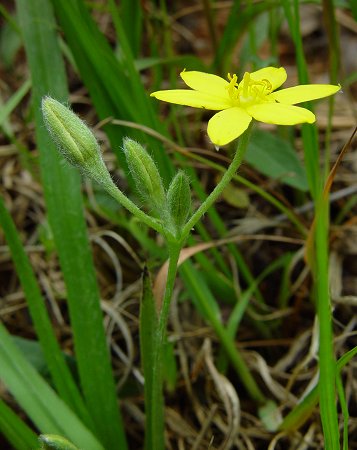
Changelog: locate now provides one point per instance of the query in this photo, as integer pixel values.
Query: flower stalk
(224, 181)
(157, 406)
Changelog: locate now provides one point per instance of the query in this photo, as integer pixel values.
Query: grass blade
(48, 412)
(14, 101)
(60, 373)
(65, 210)
(204, 301)
(132, 17)
(20, 436)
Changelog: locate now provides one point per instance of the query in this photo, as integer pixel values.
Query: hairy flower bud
(179, 199)
(145, 174)
(73, 138)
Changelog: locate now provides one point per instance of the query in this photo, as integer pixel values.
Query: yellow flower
(254, 97)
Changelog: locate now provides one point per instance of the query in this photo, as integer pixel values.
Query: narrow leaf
(47, 411)
(66, 217)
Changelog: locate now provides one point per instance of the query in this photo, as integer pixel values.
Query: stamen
(232, 91)
(268, 85)
(249, 90)
(246, 83)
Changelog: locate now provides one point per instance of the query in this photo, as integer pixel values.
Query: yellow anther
(268, 85)
(232, 90)
(249, 90)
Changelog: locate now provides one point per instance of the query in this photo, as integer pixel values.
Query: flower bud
(145, 174)
(74, 139)
(52, 441)
(179, 200)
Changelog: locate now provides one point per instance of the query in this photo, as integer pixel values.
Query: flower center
(248, 91)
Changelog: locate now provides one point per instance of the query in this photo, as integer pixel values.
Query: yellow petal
(192, 98)
(206, 82)
(275, 76)
(280, 114)
(304, 93)
(227, 125)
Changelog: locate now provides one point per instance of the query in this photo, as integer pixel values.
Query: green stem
(117, 194)
(236, 162)
(157, 400)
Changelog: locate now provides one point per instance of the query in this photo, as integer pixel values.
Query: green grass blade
(305, 408)
(65, 210)
(301, 412)
(238, 20)
(242, 305)
(59, 371)
(320, 264)
(20, 436)
(206, 304)
(47, 411)
(327, 362)
(344, 407)
(13, 101)
(334, 63)
(309, 132)
(131, 13)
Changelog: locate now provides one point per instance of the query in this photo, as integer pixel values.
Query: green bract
(145, 174)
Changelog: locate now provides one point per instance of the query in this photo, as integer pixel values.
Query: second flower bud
(145, 174)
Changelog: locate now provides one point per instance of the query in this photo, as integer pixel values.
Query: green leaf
(47, 411)
(276, 158)
(13, 101)
(66, 217)
(51, 351)
(20, 436)
(353, 5)
(10, 39)
(132, 17)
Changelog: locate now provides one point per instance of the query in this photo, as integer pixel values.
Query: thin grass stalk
(327, 361)
(309, 132)
(201, 296)
(320, 269)
(211, 23)
(341, 394)
(334, 63)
